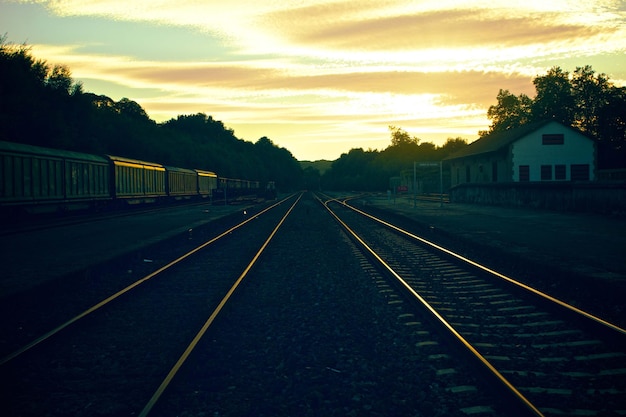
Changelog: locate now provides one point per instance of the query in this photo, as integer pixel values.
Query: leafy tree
(510, 112)
(202, 128)
(401, 138)
(612, 118)
(22, 79)
(451, 146)
(555, 99)
(404, 149)
(600, 107)
(354, 171)
(129, 108)
(279, 164)
(370, 170)
(60, 79)
(590, 95)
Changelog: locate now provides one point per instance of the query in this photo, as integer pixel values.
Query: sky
(321, 77)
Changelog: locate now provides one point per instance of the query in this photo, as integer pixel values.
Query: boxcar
(207, 183)
(43, 179)
(231, 187)
(181, 183)
(137, 181)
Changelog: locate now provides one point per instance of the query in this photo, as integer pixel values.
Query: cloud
(455, 28)
(275, 81)
(368, 24)
(330, 71)
(428, 35)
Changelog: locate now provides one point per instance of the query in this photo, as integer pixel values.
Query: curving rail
(442, 282)
(560, 303)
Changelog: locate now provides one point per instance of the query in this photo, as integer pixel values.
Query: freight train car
(36, 179)
(207, 182)
(135, 181)
(181, 183)
(231, 188)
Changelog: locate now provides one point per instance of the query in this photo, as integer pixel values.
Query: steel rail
(438, 317)
(135, 284)
(475, 264)
(181, 360)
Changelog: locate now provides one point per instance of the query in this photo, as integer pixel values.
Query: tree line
(585, 100)
(368, 170)
(42, 105)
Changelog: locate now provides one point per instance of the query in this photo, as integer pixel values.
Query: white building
(544, 151)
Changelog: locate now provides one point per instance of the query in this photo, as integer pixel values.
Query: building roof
(495, 141)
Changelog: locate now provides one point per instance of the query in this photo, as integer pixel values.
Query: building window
(467, 173)
(553, 139)
(559, 172)
(524, 173)
(546, 172)
(494, 171)
(580, 172)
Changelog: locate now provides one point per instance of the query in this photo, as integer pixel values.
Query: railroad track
(314, 330)
(549, 357)
(317, 331)
(106, 359)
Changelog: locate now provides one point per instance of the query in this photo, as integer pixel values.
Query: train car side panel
(207, 183)
(33, 175)
(137, 181)
(25, 179)
(86, 179)
(154, 181)
(181, 182)
(127, 180)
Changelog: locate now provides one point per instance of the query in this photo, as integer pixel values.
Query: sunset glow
(321, 77)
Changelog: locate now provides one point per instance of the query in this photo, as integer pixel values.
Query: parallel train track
(124, 354)
(97, 345)
(553, 358)
(312, 336)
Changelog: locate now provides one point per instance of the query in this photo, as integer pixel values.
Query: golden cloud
(456, 28)
(454, 87)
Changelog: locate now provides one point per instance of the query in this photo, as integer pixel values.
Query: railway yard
(276, 309)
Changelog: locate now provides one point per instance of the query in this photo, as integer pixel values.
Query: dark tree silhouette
(555, 99)
(511, 111)
(43, 106)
